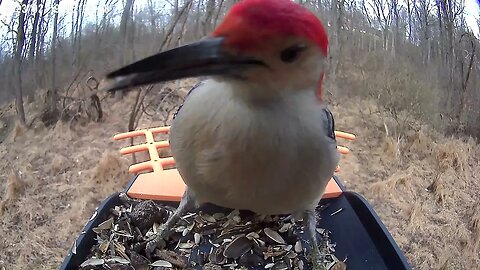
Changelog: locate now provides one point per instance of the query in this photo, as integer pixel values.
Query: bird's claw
(157, 242)
(166, 229)
(317, 260)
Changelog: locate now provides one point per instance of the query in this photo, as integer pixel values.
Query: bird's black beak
(201, 58)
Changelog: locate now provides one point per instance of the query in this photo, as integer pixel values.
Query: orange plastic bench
(156, 183)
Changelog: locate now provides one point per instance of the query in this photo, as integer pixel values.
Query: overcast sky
(8, 7)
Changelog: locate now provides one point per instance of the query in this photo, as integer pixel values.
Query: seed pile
(218, 239)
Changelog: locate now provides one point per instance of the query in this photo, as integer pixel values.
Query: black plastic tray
(358, 232)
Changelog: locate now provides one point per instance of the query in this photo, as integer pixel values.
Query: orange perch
(155, 183)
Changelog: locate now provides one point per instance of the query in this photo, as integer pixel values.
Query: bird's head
(271, 45)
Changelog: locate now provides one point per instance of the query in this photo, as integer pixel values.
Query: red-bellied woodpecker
(256, 134)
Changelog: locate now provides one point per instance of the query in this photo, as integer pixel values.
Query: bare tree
(207, 23)
(395, 17)
(423, 9)
(410, 5)
(336, 44)
(466, 60)
(20, 42)
(153, 15)
(42, 31)
(383, 18)
(450, 12)
(53, 48)
(77, 26)
(33, 35)
(126, 15)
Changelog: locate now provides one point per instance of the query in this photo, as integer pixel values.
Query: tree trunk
(393, 53)
(127, 10)
(153, 23)
(53, 96)
(220, 6)
(335, 47)
(395, 31)
(41, 36)
(409, 13)
(33, 39)
(207, 25)
(20, 42)
(441, 41)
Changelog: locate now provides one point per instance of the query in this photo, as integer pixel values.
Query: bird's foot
(310, 223)
(159, 241)
(318, 261)
(166, 229)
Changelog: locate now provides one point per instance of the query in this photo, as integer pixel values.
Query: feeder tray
(355, 228)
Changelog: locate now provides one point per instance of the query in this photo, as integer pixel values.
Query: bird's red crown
(250, 23)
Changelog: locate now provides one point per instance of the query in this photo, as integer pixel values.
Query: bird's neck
(260, 94)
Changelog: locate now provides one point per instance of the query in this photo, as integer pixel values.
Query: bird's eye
(290, 54)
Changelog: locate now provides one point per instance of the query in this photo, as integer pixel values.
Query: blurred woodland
(418, 58)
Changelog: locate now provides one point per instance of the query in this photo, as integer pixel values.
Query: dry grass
(15, 187)
(475, 223)
(416, 216)
(18, 131)
(110, 168)
(424, 187)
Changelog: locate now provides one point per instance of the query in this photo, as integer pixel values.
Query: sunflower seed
(104, 246)
(298, 246)
(197, 237)
(237, 247)
(106, 225)
(208, 218)
(235, 212)
(161, 263)
(190, 226)
(218, 216)
(117, 259)
(237, 241)
(92, 262)
(300, 265)
(179, 229)
(274, 236)
(187, 245)
(269, 265)
(155, 228)
(252, 235)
